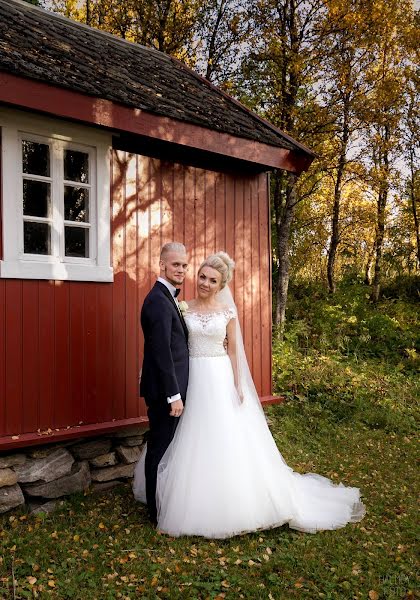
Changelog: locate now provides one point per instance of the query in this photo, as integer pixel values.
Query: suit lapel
(167, 293)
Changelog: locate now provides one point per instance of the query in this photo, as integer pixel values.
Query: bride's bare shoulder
(221, 307)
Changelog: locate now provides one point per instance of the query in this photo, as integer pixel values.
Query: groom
(164, 375)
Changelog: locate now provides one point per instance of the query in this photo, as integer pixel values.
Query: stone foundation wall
(39, 477)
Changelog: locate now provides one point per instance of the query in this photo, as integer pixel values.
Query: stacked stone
(40, 477)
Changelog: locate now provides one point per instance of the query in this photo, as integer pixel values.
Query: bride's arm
(231, 350)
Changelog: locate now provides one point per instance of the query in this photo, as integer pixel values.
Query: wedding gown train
(223, 475)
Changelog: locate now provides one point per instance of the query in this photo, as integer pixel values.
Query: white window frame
(15, 126)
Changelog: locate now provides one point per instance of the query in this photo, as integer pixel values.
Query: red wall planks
(91, 402)
(30, 354)
(239, 253)
(197, 249)
(256, 287)
(131, 304)
(2, 355)
(77, 355)
(70, 352)
(13, 357)
(189, 228)
(47, 358)
(63, 410)
(120, 162)
(265, 281)
(104, 355)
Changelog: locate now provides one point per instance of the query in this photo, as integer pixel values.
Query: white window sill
(55, 271)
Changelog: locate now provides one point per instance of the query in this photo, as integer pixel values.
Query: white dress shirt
(172, 289)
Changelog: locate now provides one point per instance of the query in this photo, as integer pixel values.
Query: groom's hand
(176, 408)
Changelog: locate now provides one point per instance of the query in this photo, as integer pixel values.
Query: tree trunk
(212, 44)
(284, 211)
(416, 225)
(383, 163)
(335, 232)
(379, 240)
(332, 252)
(414, 200)
(368, 267)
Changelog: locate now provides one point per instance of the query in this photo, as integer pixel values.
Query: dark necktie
(177, 292)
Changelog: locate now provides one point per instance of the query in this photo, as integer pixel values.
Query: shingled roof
(47, 47)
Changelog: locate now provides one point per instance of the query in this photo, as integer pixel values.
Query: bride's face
(208, 283)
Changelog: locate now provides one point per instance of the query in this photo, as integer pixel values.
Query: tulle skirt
(223, 475)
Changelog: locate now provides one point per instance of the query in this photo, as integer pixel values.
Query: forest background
(340, 76)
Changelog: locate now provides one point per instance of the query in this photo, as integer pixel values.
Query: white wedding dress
(223, 475)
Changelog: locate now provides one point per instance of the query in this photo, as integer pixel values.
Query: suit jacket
(165, 362)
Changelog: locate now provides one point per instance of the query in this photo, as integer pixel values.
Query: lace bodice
(207, 331)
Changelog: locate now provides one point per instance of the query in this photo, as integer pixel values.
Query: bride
(223, 475)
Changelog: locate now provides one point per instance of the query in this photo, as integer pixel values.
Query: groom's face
(173, 267)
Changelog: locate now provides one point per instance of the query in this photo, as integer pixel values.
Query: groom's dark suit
(164, 374)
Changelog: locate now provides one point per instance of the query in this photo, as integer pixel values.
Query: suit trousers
(162, 428)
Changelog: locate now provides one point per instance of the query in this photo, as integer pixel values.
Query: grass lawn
(101, 547)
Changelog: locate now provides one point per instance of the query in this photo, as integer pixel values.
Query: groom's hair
(172, 247)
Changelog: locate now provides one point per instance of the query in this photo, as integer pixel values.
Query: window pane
(36, 198)
(37, 238)
(76, 204)
(36, 158)
(76, 166)
(77, 242)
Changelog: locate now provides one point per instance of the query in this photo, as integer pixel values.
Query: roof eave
(30, 94)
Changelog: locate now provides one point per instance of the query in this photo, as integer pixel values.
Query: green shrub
(347, 359)
(349, 324)
(402, 287)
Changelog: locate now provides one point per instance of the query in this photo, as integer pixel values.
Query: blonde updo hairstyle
(222, 262)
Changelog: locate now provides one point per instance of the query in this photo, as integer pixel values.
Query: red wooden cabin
(109, 150)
